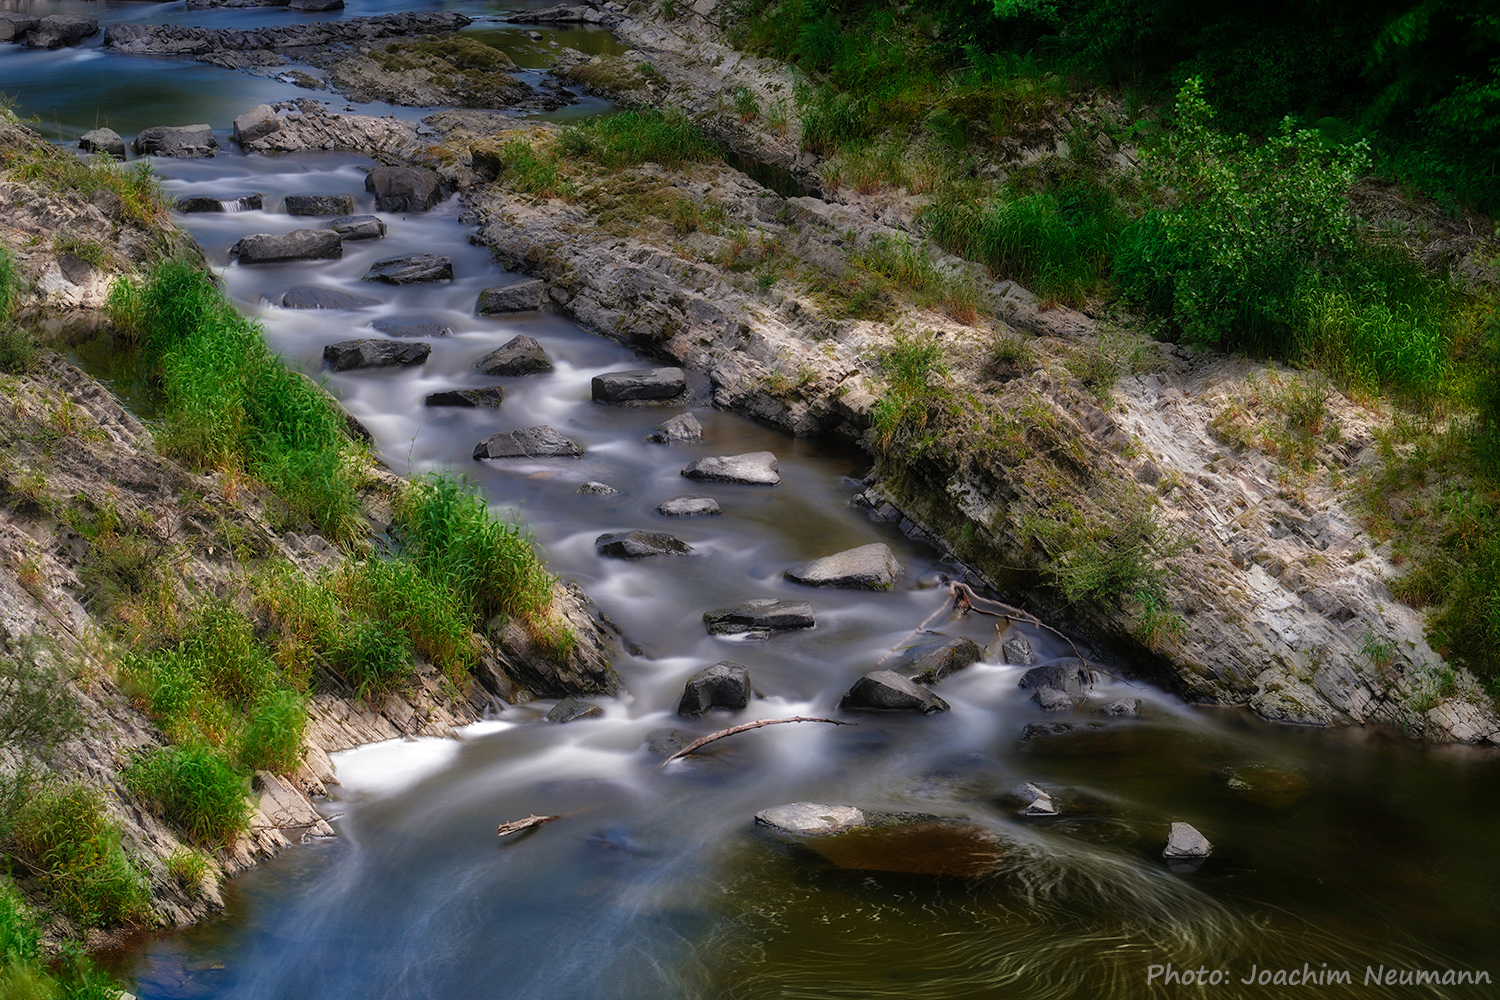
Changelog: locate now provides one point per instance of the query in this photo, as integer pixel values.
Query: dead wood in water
(516, 826)
(704, 741)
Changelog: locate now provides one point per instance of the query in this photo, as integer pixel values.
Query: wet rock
(1017, 649)
(681, 429)
(867, 567)
(299, 244)
(1186, 842)
(598, 489)
(14, 25)
(1035, 801)
(358, 227)
(689, 506)
(763, 615)
(640, 385)
(57, 31)
(1127, 708)
(489, 397)
(411, 269)
(724, 685)
(1266, 785)
(1038, 730)
(103, 140)
(573, 709)
(198, 203)
(666, 742)
(318, 297)
(933, 661)
(315, 6)
(640, 545)
(522, 296)
(319, 204)
(519, 356)
(1069, 676)
(257, 123)
(810, 819)
(211, 43)
(404, 189)
(408, 326)
(182, 141)
(528, 442)
(349, 355)
(756, 468)
(888, 691)
(913, 844)
(1050, 699)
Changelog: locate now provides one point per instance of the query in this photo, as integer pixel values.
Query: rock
(933, 661)
(56, 31)
(640, 545)
(528, 442)
(867, 567)
(299, 244)
(519, 356)
(14, 25)
(490, 397)
(103, 140)
(1069, 676)
(689, 506)
(666, 742)
(1266, 785)
(319, 204)
(1052, 700)
(756, 468)
(1035, 800)
(888, 691)
(1036, 730)
(914, 844)
(1124, 708)
(182, 141)
(641, 385)
(198, 203)
(523, 296)
(348, 355)
(358, 227)
(257, 123)
(318, 297)
(408, 326)
(595, 488)
(404, 189)
(681, 429)
(760, 615)
(1186, 842)
(313, 6)
(723, 685)
(411, 269)
(178, 39)
(810, 819)
(1017, 649)
(573, 709)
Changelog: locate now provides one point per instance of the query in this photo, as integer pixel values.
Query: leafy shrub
(193, 787)
(68, 837)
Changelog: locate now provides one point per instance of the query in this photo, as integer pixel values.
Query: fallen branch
(962, 592)
(704, 741)
(516, 826)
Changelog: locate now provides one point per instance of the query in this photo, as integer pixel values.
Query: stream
(1350, 851)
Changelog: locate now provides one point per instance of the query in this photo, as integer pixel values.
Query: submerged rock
(348, 355)
(640, 385)
(681, 429)
(257, 123)
(1069, 676)
(277, 248)
(404, 189)
(182, 141)
(666, 742)
(763, 615)
(1265, 785)
(107, 141)
(520, 355)
(358, 227)
(935, 660)
(1127, 708)
(573, 709)
(407, 326)
(319, 204)
(318, 297)
(411, 269)
(640, 545)
(489, 397)
(888, 691)
(689, 506)
(523, 296)
(756, 468)
(528, 442)
(1038, 730)
(867, 567)
(723, 685)
(810, 819)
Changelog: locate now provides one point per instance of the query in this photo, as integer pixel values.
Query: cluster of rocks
(54, 31)
(181, 40)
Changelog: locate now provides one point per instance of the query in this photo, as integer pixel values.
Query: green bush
(373, 655)
(272, 737)
(194, 788)
(23, 974)
(439, 622)
(68, 837)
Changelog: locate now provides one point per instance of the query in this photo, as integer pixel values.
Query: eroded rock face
(641, 385)
(756, 468)
(350, 355)
(404, 189)
(888, 691)
(519, 356)
(182, 141)
(868, 567)
(277, 248)
(528, 442)
(640, 545)
(763, 615)
(724, 685)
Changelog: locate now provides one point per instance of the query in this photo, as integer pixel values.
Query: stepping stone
(404, 189)
(810, 819)
(573, 709)
(523, 296)
(102, 140)
(319, 204)
(1185, 841)
(681, 429)
(299, 244)
(756, 468)
(640, 385)
(358, 227)
(348, 355)
(489, 397)
(528, 442)
(203, 203)
(690, 506)
(411, 269)
(724, 685)
(409, 326)
(640, 545)
(182, 141)
(257, 123)
(933, 661)
(868, 567)
(519, 356)
(318, 297)
(760, 616)
(595, 488)
(888, 691)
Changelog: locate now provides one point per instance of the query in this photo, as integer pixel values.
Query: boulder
(358, 227)
(489, 397)
(1069, 676)
(522, 296)
(319, 204)
(763, 615)
(756, 468)
(595, 488)
(181, 141)
(640, 385)
(56, 31)
(1185, 841)
(888, 691)
(318, 297)
(1124, 708)
(681, 429)
(528, 442)
(349, 355)
(1035, 801)
(572, 709)
(299, 244)
(1050, 699)
(1017, 649)
(723, 685)
(104, 140)
(411, 269)
(519, 356)
(640, 545)
(198, 203)
(257, 123)
(689, 506)
(14, 25)
(810, 819)
(933, 661)
(867, 567)
(404, 189)
(312, 6)
(1037, 730)
(409, 326)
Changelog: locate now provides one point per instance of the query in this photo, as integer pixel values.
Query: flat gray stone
(725, 685)
(573, 709)
(640, 545)
(411, 269)
(522, 296)
(1186, 842)
(689, 506)
(358, 227)
(318, 297)
(278, 248)
(595, 488)
(810, 819)
(181, 141)
(257, 123)
(319, 204)
(888, 691)
(756, 468)
(410, 326)
(867, 567)
(639, 385)
(528, 442)
(763, 615)
(103, 140)
(519, 356)
(349, 355)
(489, 397)
(681, 429)
(404, 189)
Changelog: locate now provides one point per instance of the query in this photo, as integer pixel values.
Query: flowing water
(1357, 849)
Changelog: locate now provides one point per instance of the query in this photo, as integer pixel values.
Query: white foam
(394, 765)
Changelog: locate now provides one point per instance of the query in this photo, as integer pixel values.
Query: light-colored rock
(810, 819)
(867, 567)
(1185, 841)
(756, 468)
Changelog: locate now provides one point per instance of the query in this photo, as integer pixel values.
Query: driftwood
(704, 741)
(516, 826)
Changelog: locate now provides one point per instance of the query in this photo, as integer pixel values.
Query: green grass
(194, 788)
(910, 368)
(532, 172)
(140, 195)
(65, 836)
(910, 267)
(26, 974)
(633, 137)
